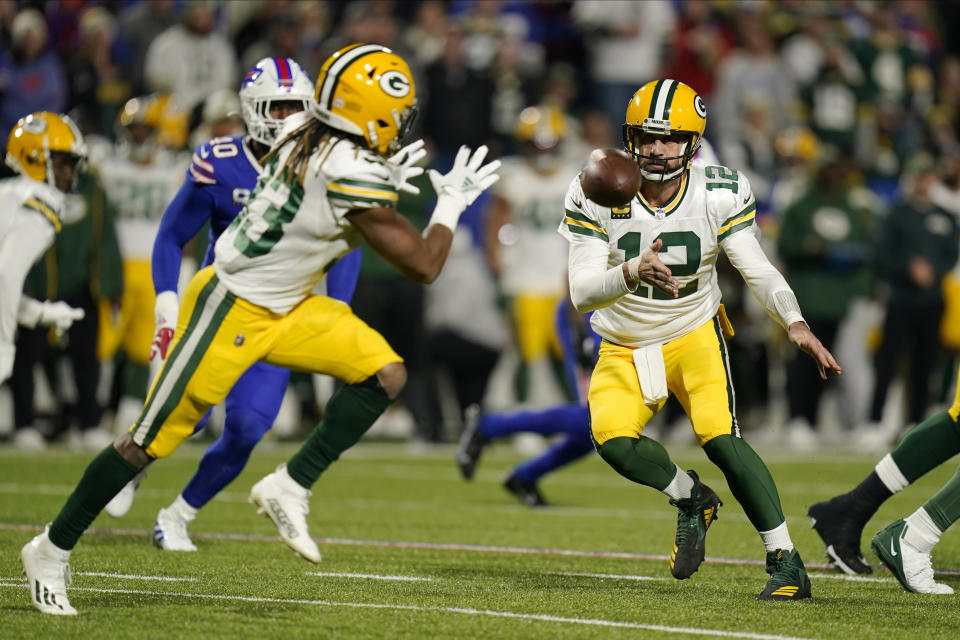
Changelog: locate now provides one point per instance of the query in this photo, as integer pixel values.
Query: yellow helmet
(35, 137)
(368, 91)
(664, 107)
(544, 127)
(159, 111)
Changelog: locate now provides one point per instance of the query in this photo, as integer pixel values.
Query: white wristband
(447, 212)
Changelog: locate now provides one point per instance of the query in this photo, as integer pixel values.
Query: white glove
(459, 187)
(402, 169)
(59, 315)
(165, 311)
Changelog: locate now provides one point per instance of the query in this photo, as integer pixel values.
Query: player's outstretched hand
(403, 169)
(59, 316)
(648, 267)
(467, 179)
(801, 336)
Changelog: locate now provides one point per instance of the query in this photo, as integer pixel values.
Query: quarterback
(45, 149)
(649, 270)
(219, 181)
(326, 187)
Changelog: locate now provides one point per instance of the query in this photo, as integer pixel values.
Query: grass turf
(474, 561)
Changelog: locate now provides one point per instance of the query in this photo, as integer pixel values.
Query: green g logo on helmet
(395, 84)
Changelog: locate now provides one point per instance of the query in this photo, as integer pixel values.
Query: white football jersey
(288, 236)
(712, 204)
(534, 259)
(140, 194)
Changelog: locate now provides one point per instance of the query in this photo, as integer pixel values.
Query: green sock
(521, 381)
(642, 460)
(103, 479)
(927, 446)
(348, 415)
(749, 480)
(944, 506)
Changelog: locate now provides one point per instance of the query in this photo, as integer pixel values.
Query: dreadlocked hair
(307, 138)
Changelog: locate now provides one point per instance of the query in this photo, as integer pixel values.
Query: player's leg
(574, 422)
(840, 520)
(698, 372)
(905, 545)
(251, 408)
(322, 335)
(479, 430)
(617, 418)
(201, 368)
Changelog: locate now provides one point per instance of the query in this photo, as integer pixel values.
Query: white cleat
(121, 503)
(170, 532)
(912, 567)
(286, 503)
(48, 574)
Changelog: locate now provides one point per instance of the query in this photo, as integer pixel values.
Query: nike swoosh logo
(893, 551)
(204, 152)
(578, 205)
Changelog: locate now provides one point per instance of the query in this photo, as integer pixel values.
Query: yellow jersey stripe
(732, 223)
(582, 223)
(41, 207)
(374, 194)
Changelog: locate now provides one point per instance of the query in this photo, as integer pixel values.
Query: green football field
(412, 551)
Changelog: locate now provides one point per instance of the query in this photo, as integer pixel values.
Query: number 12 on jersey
(632, 244)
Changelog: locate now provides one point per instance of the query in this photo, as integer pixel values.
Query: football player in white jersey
(140, 177)
(328, 184)
(44, 148)
(525, 251)
(648, 268)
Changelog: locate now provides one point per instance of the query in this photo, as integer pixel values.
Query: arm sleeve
(342, 277)
(184, 217)
(766, 283)
(20, 247)
(592, 284)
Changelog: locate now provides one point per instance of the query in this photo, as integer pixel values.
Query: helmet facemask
(270, 81)
(634, 137)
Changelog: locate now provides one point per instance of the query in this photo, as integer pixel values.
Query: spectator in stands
(31, 76)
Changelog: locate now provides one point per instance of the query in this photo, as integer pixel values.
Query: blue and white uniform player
(219, 181)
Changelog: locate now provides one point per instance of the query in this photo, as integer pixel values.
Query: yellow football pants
(698, 374)
(534, 320)
(136, 323)
(219, 335)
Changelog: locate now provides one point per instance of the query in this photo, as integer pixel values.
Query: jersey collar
(662, 212)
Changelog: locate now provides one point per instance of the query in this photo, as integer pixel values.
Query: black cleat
(528, 492)
(841, 535)
(472, 442)
(695, 516)
(788, 577)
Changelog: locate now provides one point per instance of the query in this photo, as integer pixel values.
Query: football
(611, 178)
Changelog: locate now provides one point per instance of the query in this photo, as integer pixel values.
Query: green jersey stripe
(195, 357)
(737, 227)
(581, 217)
(376, 186)
(174, 355)
(747, 209)
(583, 231)
(370, 200)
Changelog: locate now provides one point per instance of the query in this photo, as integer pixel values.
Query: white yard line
(439, 546)
(843, 576)
(612, 576)
(720, 633)
(130, 576)
(369, 576)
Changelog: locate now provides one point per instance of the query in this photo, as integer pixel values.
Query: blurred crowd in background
(843, 114)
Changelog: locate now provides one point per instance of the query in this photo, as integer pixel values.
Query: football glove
(459, 187)
(402, 167)
(165, 311)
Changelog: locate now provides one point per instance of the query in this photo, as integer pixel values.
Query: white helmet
(271, 79)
